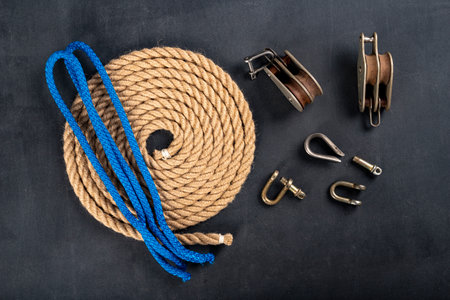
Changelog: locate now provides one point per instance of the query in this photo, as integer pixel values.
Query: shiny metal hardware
(374, 169)
(288, 74)
(328, 142)
(374, 71)
(287, 186)
(349, 185)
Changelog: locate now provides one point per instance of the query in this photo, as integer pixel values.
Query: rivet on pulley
(375, 76)
(288, 185)
(289, 75)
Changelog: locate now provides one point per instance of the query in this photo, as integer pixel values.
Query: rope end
(186, 278)
(165, 154)
(226, 239)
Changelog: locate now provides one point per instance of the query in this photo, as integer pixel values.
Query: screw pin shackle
(288, 186)
(351, 185)
(374, 169)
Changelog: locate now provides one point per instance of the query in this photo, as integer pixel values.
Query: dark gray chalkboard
(396, 245)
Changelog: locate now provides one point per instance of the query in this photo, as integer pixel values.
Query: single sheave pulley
(289, 75)
(375, 75)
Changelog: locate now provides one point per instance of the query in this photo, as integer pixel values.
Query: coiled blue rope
(151, 224)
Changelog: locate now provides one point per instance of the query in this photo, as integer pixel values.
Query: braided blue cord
(158, 237)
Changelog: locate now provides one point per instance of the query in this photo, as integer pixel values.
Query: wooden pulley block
(289, 75)
(375, 76)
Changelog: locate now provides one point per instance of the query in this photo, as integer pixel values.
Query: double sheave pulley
(375, 76)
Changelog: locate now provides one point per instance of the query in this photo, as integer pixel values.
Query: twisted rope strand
(202, 169)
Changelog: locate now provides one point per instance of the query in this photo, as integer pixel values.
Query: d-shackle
(287, 186)
(349, 185)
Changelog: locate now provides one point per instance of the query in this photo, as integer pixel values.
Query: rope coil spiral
(205, 165)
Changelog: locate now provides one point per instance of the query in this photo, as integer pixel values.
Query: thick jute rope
(205, 165)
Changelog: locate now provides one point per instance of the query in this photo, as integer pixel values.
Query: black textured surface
(396, 245)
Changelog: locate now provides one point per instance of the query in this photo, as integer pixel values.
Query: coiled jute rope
(205, 165)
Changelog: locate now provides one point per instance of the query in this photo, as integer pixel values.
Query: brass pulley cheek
(289, 75)
(375, 77)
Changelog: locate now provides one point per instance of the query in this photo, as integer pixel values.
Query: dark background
(396, 245)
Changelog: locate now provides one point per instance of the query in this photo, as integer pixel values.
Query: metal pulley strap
(105, 146)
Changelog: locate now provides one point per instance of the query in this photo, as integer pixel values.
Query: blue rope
(151, 224)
